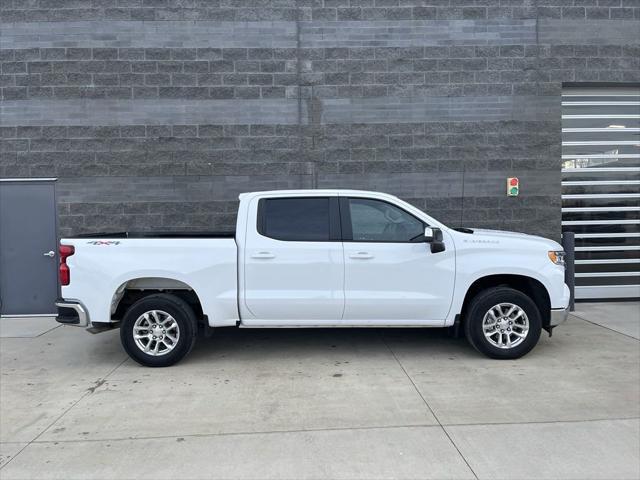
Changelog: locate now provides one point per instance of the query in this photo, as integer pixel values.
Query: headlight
(556, 257)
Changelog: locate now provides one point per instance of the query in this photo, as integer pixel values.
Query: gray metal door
(28, 248)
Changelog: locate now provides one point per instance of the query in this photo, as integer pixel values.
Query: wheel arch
(134, 289)
(530, 286)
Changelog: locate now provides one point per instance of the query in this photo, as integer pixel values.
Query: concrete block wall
(156, 114)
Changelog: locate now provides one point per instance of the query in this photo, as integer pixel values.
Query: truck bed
(204, 234)
(205, 262)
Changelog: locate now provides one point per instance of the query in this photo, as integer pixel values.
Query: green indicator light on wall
(513, 186)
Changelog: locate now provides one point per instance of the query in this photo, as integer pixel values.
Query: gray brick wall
(155, 114)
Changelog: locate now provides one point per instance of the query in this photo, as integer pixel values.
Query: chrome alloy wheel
(505, 325)
(156, 333)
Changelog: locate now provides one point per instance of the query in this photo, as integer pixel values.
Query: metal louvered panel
(599, 222)
(601, 188)
(608, 291)
(602, 182)
(600, 209)
(608, 261)
(602, 169)
(608, 274)
(607, 235)
(608, 248)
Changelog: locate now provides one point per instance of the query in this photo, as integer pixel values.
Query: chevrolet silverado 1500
(314, 258)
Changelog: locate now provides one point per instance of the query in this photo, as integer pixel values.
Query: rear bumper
(72, 312)
(558, 316)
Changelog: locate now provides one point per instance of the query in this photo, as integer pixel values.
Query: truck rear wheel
(158, 330)
(503, 323)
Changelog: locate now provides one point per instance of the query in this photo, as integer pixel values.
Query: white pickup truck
(315, 258)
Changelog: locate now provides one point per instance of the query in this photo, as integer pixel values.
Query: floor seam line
(86, 393)
(229, 434)
(50, 330)
(330, 429)
(602, 326)
(541, 422)
(46, 429)
(35, 336)
(424, 400)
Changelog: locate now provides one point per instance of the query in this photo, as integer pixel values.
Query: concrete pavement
(18, 327)
(320, 404)
(622, 317)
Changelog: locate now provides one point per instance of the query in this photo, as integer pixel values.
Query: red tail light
(65, 274)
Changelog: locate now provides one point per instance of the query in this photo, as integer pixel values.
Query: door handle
(263, 255)
(50, 254)
(361, 255)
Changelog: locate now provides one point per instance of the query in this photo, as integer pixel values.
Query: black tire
(480, 306)
(181, 312)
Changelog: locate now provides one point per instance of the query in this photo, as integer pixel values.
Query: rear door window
(296, 219)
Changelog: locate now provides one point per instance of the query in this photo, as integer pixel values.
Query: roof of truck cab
(334, 191)
(344, 192)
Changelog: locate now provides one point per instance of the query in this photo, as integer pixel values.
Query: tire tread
(473, 316)
(154, 300)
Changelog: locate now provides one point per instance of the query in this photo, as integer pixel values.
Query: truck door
(391, 276)
(293, 261)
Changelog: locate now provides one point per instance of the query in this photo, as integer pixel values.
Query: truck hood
(486, 234)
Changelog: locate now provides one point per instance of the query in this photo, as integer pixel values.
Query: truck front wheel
(503, 323)
(158, 330)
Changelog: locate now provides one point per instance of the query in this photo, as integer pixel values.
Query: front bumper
(558, 316)
(72, 312)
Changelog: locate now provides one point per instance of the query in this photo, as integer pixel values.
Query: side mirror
(433, 235)
(428, 234)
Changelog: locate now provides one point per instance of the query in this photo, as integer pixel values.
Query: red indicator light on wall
(513, 186)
